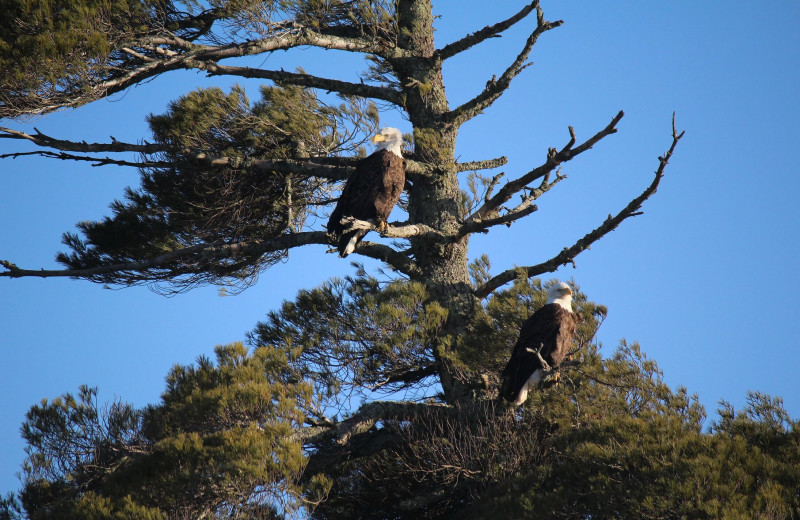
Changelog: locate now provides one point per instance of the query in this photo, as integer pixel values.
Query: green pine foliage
(365, 397)
(358, 333)
(218, 445)
(231, 438)
(52, 48)
(495, 326)
(184, 201)
(54, 52)
(627, 446)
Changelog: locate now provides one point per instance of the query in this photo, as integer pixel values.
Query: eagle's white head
(560, 294)
(389, 139)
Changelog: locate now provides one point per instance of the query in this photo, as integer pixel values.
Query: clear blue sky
(706, 280)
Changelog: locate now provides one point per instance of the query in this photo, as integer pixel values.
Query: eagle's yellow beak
(378, 138)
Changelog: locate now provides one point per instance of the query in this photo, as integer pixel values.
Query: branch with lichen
(391, 231)
(568, 254)
(486, 164)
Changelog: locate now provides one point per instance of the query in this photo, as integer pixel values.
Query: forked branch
(554, 159)
(523, 209)
(473, 226)
(568, 254)
(490, 31)
(496, 86)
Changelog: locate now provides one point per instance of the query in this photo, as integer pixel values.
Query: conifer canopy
(373, 395)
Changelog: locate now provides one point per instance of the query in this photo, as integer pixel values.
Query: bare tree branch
(405, 231)
(310, 167)
(316, 167)
(332, 168)
(487, 164)
(168, 52)
(554, 158)
(207, 251)
(366, 417)
(398, 260)
(524, 209)
(568, 254)
(303, 80)
(407, 376)
(496, 86)
(47, 141)
(210, 252)
(490, 31)
(481, 226)
(98, 161)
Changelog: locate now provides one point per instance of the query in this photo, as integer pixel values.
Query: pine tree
(247, 436)
(367, 397)
(226, 184)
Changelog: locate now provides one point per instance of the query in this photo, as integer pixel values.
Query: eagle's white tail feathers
(355, 238)
(529, 385)
(351, 246)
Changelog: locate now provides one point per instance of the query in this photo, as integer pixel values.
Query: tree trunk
(433, 200)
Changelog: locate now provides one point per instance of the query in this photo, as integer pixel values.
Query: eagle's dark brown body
(369, 194)
(551, 328)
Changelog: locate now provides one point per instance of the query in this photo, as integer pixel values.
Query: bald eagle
(549, 330)
(371, 191)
